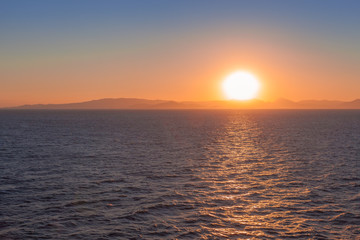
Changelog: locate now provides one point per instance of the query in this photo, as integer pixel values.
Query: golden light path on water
(252, 191)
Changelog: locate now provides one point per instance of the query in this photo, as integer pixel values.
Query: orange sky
(166, 57)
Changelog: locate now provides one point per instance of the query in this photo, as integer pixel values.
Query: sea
(179, 174)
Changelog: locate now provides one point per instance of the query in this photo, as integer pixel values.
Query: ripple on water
(179, 175)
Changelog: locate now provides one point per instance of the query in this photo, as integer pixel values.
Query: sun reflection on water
(252, 193)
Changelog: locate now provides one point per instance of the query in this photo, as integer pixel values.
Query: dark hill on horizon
(136, 103)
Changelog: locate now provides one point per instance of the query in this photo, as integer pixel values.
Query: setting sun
(241, 85)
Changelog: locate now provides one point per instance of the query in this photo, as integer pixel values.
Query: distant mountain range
(135, 103)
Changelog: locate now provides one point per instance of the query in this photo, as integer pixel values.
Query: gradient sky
(68, 51)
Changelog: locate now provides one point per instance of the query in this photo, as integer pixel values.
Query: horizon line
(139, 103)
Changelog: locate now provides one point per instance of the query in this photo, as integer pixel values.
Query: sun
(241, 85)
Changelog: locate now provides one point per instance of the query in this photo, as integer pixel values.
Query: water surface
(259, 174)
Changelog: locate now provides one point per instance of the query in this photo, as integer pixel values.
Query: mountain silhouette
(136, 103)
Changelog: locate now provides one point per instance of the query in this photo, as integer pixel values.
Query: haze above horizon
(73, 51)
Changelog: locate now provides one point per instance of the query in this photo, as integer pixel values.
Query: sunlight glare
(241, 85)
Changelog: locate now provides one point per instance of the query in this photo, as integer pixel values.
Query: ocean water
(254, 174)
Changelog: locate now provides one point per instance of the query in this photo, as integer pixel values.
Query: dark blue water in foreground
(260, 174)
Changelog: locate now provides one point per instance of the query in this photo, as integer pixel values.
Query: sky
(64, 51)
